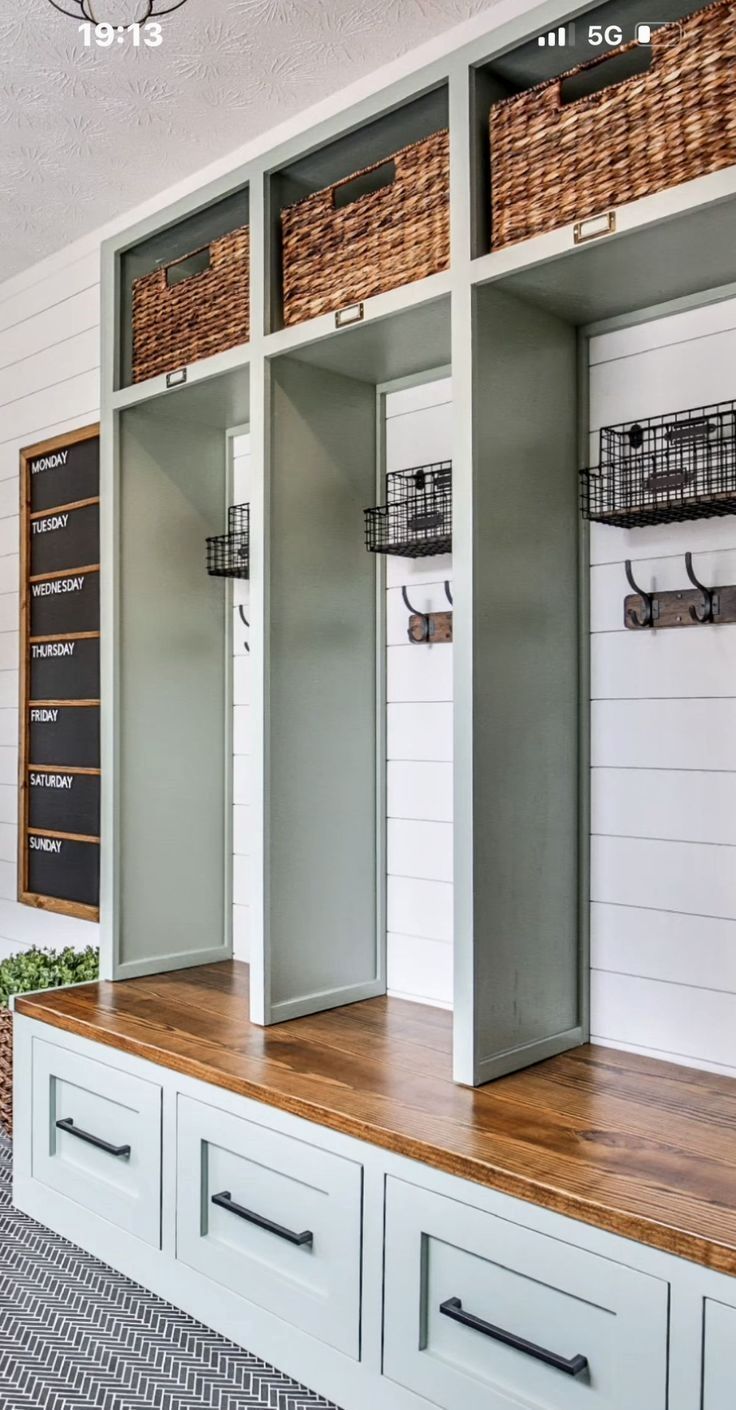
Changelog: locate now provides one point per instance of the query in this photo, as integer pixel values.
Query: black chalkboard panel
(64, 734)
(65, 670)
(69, 538)
(63, 870)
(68, 604)
(64, 802)
(64, 475)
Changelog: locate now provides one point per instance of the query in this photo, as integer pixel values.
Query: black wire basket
(665, 470)
(228, 555)
(416, 520)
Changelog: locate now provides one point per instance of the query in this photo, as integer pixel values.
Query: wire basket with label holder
(228, 555)
(664, 470)
(416, 520)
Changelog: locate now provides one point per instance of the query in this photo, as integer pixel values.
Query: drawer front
(485, 1314)
(719, 1378)
(97, 1138)
(273, 1218)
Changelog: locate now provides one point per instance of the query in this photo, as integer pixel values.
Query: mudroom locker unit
(534, 1222)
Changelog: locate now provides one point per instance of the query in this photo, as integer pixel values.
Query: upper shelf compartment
(185, 291)
(361, 215)
(573, 125)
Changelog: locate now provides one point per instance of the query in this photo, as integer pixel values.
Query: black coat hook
(709, 608)
(448, 594)
(424, 631)
(650, 603)
(245, 622)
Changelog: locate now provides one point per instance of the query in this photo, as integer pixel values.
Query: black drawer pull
(574, 1366)
(68, 1125)
(226, 1201)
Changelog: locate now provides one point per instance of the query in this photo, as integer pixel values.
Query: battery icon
(644, 31)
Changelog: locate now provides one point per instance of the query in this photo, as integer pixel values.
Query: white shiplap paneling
(49, 355)
(663, 720)
(419, 730)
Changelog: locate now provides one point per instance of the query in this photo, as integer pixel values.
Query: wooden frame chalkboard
(58, 793)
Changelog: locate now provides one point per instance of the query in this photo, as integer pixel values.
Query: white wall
(49, 383)
(419, 730)
(663, 708)
(242, 743)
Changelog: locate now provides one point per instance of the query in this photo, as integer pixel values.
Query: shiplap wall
(419, 730)
(242, 740)
(663, 882)
(49, 383)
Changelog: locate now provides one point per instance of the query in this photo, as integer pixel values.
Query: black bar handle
(68, 1125)
(226, 1201)
(572, 1366)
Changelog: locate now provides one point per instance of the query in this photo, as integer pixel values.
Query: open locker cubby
(324, 825)
(365, 153)
(184, 291)
(169, 716)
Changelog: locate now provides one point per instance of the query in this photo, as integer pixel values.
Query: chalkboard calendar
(59, 810)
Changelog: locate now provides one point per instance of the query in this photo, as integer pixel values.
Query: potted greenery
(21, 973)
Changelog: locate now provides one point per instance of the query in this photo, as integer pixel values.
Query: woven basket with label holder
(338, 250)
(553, 162)
(179, 318)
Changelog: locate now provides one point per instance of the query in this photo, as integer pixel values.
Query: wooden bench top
(642, 1148)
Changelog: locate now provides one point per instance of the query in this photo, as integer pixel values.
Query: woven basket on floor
(552, 163)
(6, 1070)
(175, 323)
(337, 251)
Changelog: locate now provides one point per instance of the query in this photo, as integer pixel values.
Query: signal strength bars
(557, 37)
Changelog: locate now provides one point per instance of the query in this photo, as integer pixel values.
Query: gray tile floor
(75, 1335)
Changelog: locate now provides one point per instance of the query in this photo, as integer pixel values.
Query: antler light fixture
(143, 10)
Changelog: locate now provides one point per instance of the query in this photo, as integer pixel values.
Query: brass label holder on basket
(593, 227)
(354, 313)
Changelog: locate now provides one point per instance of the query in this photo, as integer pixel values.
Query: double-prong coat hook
(425, 627)
(651, 610)
(709, 608)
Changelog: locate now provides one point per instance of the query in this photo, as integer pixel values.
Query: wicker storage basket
(6, 1070)
(337, 251)
(179, 320)
(553, 163)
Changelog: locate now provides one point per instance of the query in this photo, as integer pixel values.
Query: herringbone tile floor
(75, 1335)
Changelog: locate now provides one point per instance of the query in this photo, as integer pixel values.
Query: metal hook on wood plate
(707, 612)
(422, 629)
(651, 610)
(429, 628)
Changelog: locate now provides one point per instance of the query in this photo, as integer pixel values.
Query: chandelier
(137, 11)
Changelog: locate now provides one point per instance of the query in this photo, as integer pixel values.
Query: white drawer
(273, 1218)
(477, 1310)
(97, 1138)
(719, 1385)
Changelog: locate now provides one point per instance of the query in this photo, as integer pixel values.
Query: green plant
(46, 969)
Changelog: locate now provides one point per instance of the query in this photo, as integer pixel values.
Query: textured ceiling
(86, 134)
